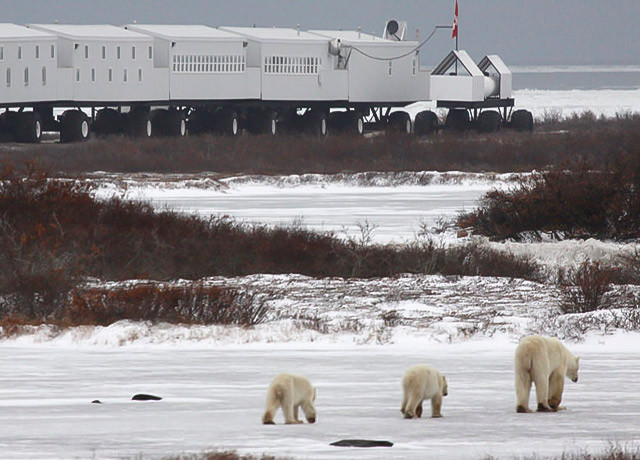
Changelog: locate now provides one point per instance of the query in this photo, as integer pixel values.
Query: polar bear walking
(422, 382)
(290, 392)
(544, 361)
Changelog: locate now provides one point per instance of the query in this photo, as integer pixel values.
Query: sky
(521, 31)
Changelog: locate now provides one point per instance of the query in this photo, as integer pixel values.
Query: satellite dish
(392, 27)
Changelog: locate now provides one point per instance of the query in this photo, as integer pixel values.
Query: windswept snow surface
(352, 338)
(214, 398)
(397, 205)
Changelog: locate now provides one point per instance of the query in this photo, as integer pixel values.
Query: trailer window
(288, 65)
(93, 75)
(104, 52)
(1, 53)
(150, 52)
(26, 76)
(110, 75)
(140, 75)
(19, 52)
(86, 51)
(415, 66)
(44, 76)
(133, 52)
(8, 77)
(118, 52)
(53, 51)
(125, 75)
(203, 63)
(390, 67)
(37, 52)
(78, 75)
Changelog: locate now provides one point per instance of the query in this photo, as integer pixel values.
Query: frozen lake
(397, 213)
(213, 399)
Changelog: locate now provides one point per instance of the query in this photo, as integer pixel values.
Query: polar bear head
(572, 368)
(444, 386)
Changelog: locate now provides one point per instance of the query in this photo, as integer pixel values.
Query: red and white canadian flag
(454, 34)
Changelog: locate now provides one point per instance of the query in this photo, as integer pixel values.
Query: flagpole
(457, 32)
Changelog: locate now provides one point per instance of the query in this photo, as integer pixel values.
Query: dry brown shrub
(583, 290)
(194, 303)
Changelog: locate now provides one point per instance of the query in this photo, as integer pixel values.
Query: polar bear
(422, 382)
(290, 392)
(544, 361)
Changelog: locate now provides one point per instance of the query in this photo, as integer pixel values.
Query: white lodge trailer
(28, 76)
(167, 80)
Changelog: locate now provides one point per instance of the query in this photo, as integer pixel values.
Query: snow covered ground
(352, 338)
(214, 398)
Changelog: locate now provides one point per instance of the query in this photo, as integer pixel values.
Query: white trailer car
(28, 76)
(296, 65)
(168, 79)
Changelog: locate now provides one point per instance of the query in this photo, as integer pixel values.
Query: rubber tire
(177, 123)
(522, 120)
(426, 123)
(263, 122)
(228, 123)
(319, 123)
(356, 123)
(489, 121)
(140, 124)
(457, 120)
(108, 121)
(399, 122)
(27, 127)
(200, 121)
(74, 126)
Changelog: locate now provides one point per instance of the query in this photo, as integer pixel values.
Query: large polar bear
(290, 392)
(422, 382)
(544, 361)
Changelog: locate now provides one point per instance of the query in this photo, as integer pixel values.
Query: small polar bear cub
(544, 361)
(290, 392)
(422, 382)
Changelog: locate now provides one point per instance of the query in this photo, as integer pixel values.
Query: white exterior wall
(327, 84)
(214, 70)
(42, 82)
(379, 81)
(100, 78)
(91, 82)
(459, 88)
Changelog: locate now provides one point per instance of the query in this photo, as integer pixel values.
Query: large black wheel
(140, 123)
(426, 123)
(356, 123)
(200, 120)
(262, 122)
(228, 123)
(318, 123)
(177, 123)
(171, 123)
(74, 126)
(108, 121)
(522, 120)
(27, 127)
(457, 120)
(399, 122)
(489, 121)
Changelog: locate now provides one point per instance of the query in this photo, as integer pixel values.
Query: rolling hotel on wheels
(149, 80)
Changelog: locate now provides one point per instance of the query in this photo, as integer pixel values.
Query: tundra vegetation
(56, 238)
